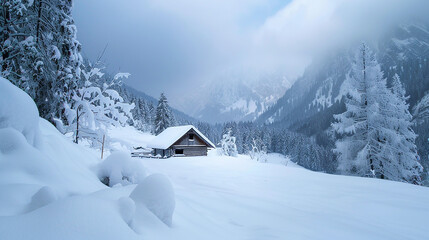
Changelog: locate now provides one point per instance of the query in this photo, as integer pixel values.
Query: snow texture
(127, 208)
(43, 197)
(170, 135)
(215, 197)
(18, 111)
(157, 194)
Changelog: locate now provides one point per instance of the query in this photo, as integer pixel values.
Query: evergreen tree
(40, 52)
(375, 128)
(163, 118)
(150, 116)
(356, 147)
(19, 51)
(403, 152)
(228, 146)
(70, 60)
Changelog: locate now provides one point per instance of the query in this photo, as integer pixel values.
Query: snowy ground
(220, 197)
(227, 198)
(50, 190)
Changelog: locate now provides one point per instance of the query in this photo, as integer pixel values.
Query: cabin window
(191, 137)
(178, 151)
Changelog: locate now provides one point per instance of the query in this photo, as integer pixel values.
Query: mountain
(128, 92)
(236, 97)
(309, 104)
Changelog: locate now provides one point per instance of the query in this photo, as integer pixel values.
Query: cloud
(164, 42)
(169, 45)
(305, 29)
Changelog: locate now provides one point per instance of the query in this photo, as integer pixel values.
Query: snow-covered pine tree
(163, 116)
(138, 113)
(356, 147)
(402, 165)
(227, 143)
(69, 59)
(39, 51)
(141, 115)
(44, 16)
(372, 129)
(150, 116)
(19, 51)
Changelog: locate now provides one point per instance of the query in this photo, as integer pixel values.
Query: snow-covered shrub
(156, 194)
(258, 151)
(18, 111)
(228, 146)
(95, 107)
(120, 168)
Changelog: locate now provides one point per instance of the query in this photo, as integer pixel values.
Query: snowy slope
(50, 190)
(235, 198)
(220, 197)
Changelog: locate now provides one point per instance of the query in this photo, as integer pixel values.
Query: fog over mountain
(176, 46)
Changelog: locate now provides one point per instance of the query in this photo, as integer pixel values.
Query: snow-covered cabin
(181, 141)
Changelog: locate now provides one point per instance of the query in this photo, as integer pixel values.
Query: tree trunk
(102, 147)
(39, 15)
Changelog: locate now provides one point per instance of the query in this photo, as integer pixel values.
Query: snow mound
(120, 168)
(20, 162)
(18, 111)
(11, 140)
(38, 165)
(127, 209)
(43, 197)
(157, 194)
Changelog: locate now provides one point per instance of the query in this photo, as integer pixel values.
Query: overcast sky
(174, 44)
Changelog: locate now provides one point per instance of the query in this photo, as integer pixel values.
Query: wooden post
(102, 147)
(77, 126)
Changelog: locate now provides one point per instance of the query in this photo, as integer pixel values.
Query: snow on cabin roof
(170, 135)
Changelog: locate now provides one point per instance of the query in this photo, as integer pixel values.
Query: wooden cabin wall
(185, 140)
(192, 150)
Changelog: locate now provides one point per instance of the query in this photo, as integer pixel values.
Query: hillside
(236, 198)
(318, 93)
(51, 190)
(130, 92)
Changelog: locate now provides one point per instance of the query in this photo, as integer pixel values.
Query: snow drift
(51, 192)
(49, 189)
(41, 165)
(157, 194)
(18, 111)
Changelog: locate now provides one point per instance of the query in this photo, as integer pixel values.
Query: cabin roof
(170, 135)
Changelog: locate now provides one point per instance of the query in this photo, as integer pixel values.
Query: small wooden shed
(181, 141)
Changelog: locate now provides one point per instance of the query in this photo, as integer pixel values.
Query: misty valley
(228, 119)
